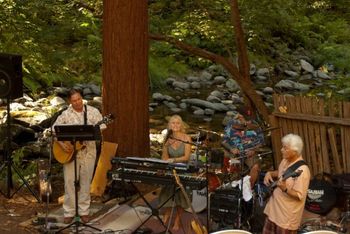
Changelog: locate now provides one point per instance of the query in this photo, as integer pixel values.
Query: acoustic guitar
(196, 225)
(64, 157)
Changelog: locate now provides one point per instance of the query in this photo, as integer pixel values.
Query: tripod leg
(26, 183)
(1, 168)
(9, 184)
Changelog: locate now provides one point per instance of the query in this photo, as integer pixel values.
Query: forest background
(61, 41)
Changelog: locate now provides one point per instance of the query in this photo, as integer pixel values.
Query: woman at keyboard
(176, 149)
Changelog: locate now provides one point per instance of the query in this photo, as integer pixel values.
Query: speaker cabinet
(11, 83)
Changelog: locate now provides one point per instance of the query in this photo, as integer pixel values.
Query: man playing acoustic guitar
(285, 208)
(78, 114)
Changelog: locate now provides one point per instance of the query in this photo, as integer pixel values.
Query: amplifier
(224, 205)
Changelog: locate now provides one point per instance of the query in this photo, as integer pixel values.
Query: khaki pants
(85, 166)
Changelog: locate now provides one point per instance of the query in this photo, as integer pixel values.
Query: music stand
(76, 133)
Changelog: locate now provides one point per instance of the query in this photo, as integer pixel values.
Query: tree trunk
(125, 75)
(243, 62)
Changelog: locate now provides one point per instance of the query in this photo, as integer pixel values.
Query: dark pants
(272, 228)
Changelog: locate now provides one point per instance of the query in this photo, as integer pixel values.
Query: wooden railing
(323, 125)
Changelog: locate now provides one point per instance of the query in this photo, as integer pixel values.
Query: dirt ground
(16, 212)
(19, 214)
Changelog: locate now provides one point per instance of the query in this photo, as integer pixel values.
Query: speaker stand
(8, 164)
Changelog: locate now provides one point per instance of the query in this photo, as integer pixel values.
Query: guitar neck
(293, 174)
(178, 182)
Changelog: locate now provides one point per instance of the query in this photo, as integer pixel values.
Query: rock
(61, 91)
(261, 78)
(252, 69)
(216, 70)
(181, 85)
(322, 75)
(183, 105)
(236, 98)
(199, 112)
(153, 104)
(263, 72)
(206, 104)
(170, 81)
(169, 98)
(268, 90)
(170, 104)
(205, 75)
(95, 89)
(217, 93)
(157, 97)
(16, 106)
(345, 91)
(193, 78)
(232, 85)
(97, 99)
(195, 85)
(57, 101)
(291, 85)
(291, 73)
(212, 98)
(259, 92)
(306, 66)
(87, 91)
(208, 111)
(176, 110)
(219, 79)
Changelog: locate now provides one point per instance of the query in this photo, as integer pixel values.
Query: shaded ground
(20, 208)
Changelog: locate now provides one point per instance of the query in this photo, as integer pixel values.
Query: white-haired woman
(285, 207)
(176, 149)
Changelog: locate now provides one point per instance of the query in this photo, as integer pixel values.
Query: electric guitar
(284, 177)
(63, 156)
(196, 225)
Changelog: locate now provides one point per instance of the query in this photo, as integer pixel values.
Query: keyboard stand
(155, 211)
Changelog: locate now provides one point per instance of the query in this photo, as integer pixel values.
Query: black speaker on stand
(11, 87)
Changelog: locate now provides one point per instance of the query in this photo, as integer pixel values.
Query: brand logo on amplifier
(314, 194)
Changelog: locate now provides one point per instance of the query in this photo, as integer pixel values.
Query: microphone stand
(196, 164)
(242, 156)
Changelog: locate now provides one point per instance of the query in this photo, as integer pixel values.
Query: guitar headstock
(292, 174)
(107, 119)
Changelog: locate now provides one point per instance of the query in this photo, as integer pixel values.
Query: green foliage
(59, 40)
(336, 54)
(204, 24)
(163, 67)
(337, 89)
(28, 169)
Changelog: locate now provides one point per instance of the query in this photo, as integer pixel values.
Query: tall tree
(243, 64)
(240, 73)
(125, 75)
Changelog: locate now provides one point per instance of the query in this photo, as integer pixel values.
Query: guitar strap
(85, 115)
(295, 166)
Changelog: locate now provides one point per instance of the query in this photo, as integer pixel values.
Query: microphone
(170, 132)
(169, 135)
(263, 154)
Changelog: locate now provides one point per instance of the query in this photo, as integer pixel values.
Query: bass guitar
(196, 225)
(284, 177)
(63, 156)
